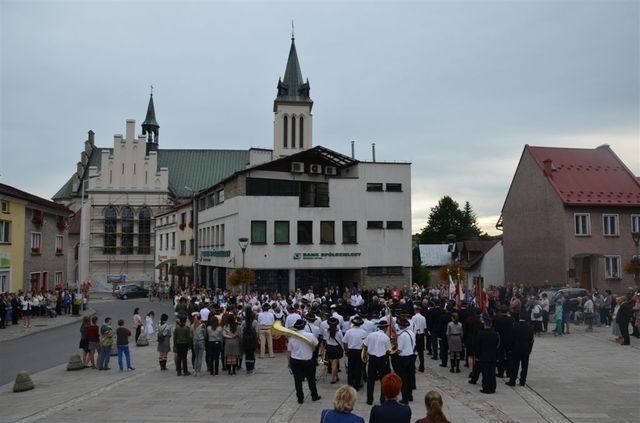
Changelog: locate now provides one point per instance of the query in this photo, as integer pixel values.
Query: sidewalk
(582, 377)
(39, 324)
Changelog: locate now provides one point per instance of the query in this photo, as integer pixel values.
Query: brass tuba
(278, 330)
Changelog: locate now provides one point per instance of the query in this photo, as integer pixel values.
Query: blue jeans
(105, 354)
(124, 349)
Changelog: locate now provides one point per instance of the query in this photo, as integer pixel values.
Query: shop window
(305, 232)
(327, 232)
(281, 232)
(349, 232)
(258, 232)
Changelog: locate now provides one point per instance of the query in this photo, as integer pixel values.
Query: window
(222, 235)
(285, 134)
(166, 242)
(4, 281)
(381, 270)
(183, 218)
(258, 232)
(59, 244)
(314, 194)
(301, 131)
(220, 196)
(394, 187)
(349, 232)
(293, 132)
(191, 246)
(5, 232)
(374, 224)
(612, 267)
(327, 232)
(374, 186)
(305, 232)
(126, 242)
(610, 224)
(58, 279)
(144, 231)
(394, 224)
(281, 232)
(173, 241)
(635, 223)
(159, 242)
(34, 281)
(110, 224)
(183, 247)
(36, 242)
(582, 224)
(202, 203)
(4, 207)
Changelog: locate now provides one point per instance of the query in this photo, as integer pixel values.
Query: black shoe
(318, 398)
(522, 383)
(187, 373)
(369, 402)
(443, 365)
(457, 369)
(421, 370)
(179, 373)
(487, 392)
(300, 401)
(472, 382)
(510, 383)
(499, 375)
(451, 370)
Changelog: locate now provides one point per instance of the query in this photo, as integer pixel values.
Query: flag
(452, 287)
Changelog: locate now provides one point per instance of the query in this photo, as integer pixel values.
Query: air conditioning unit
(315, 168)
(330, 170)
(297, 167)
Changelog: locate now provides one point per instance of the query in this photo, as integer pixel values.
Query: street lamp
(194, 216)
(243, 242)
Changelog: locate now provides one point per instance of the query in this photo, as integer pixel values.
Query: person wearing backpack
(106, 342)
(249, 330)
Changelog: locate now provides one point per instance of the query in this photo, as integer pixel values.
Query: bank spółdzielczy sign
(317, 256)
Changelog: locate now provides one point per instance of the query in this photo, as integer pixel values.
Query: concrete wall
(291, 110)
(12, 254)
(491, 267)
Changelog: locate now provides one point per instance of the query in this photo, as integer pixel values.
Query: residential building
(33, 241)
(568, 218)
(176, 245)
(483, 258)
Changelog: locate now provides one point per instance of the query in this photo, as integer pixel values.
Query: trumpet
(278, 330)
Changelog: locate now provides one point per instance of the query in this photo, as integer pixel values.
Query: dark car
(131, 291)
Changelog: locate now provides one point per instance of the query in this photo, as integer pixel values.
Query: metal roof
(591, 177)
(434, 255)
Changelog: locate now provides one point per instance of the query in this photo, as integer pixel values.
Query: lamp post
(84, 253)
(194, 230)
(636, 259)
(243, 243)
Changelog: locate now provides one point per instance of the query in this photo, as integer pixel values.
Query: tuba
(391, 333)
(278, 330)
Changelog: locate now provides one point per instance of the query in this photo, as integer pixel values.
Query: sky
(456, 88)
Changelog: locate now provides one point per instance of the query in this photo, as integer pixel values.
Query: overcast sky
(456, 88)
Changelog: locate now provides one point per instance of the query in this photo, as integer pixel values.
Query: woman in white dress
(148, 325)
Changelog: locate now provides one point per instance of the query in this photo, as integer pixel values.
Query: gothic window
(286, 129)
(301, 131)
(126, 246)
(293, 132)
(110, 225)
(144, 231)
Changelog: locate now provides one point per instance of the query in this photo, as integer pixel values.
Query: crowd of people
(21, 307)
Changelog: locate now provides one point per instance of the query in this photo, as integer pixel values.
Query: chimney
(353, 149)
(131, 129)
(373, 151)
(548, 167)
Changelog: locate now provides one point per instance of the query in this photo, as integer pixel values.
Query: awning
(168, 261)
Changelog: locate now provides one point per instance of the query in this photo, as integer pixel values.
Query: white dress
(148, 326)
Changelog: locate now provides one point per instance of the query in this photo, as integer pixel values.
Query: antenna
(293, 34)
(151, 89)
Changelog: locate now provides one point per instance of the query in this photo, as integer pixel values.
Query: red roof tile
(591, 177)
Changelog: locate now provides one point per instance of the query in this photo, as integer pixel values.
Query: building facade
(568, 218)
(33, 242)
(176, 245)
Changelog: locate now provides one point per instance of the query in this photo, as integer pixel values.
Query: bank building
(300, 215)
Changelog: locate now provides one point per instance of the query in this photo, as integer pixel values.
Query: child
(559, 321)
(122, 341)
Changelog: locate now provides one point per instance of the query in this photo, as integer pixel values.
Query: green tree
(447, 218)
(420, 274)
(469, 223)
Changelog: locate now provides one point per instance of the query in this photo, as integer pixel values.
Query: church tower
(150, 126)
(292, 123)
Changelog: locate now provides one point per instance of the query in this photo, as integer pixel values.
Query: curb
(91, 313)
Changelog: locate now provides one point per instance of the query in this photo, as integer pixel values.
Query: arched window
(285, 132)
(144, 231)
(110, 225)
(126, 244)
(301, 131)
(293, 132)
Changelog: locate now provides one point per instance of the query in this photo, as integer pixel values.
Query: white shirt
(377, 343)
(356, 300)
(369, 326)
(353, 338)
(266, 318)
(406, 343)
(299, 349)
(204, 314)
(337, 316)
(335, 341)
(291, 319)
(419, 323)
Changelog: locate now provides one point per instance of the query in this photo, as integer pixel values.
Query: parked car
(131, 291)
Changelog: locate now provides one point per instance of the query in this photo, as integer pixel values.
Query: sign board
(320, 256)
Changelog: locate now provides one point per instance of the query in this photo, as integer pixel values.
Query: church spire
(292, 88)
(150, 126)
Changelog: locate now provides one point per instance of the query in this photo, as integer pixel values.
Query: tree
(420, 274)
(447, 218)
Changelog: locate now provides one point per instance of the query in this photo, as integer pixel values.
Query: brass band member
(420, 328)
(352, 341)
(377, 345)
(333, 340)
(300, 358)
(406, 359)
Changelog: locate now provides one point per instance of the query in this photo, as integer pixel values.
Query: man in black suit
(445, 318)
(521, 346)
(433, 325)
(503, 324)
(487, 346)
